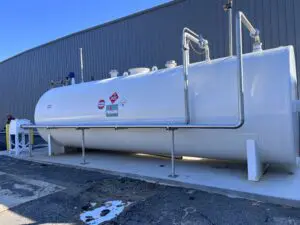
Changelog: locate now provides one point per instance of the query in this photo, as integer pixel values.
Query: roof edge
(161, 6)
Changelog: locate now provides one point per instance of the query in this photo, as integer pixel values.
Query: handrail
(125, 126)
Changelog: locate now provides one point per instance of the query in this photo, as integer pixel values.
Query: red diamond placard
(114, 97)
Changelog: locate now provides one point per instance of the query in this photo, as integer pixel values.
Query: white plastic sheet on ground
(96, 216)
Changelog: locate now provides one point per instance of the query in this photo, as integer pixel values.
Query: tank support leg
(17, 144)
(254, 164)
(54, 148)
(49, 145)
(83, 146)
(30, 142)
(173, 174)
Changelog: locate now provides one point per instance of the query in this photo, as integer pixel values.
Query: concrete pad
(229, 178)
(12, 218)
(15, 190)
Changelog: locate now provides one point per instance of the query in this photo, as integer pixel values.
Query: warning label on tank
(114, 97)
(101, 104)
(112, 110)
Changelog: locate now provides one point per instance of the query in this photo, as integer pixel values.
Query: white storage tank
(157, 97)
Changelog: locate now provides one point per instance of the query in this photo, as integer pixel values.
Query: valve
(228, 5)
(257, 45)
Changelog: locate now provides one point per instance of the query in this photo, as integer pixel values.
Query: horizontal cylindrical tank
(157, 97)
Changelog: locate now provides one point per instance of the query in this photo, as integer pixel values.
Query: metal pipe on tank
(240, 77)
(242, 19)
(187, 36)
(254, 33)
(228, 8)
(81, 64)
(185, 52)
(230, 27)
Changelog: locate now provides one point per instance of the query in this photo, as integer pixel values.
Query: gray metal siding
(147, 39)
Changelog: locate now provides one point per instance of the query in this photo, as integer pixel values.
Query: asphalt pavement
(34, 193)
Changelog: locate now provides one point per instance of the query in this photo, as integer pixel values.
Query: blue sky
(25, 24)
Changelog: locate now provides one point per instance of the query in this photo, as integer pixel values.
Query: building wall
(143, 39)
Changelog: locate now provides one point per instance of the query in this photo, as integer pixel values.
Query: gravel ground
(150, 203)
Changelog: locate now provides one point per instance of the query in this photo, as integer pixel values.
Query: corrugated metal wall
(145, 39)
